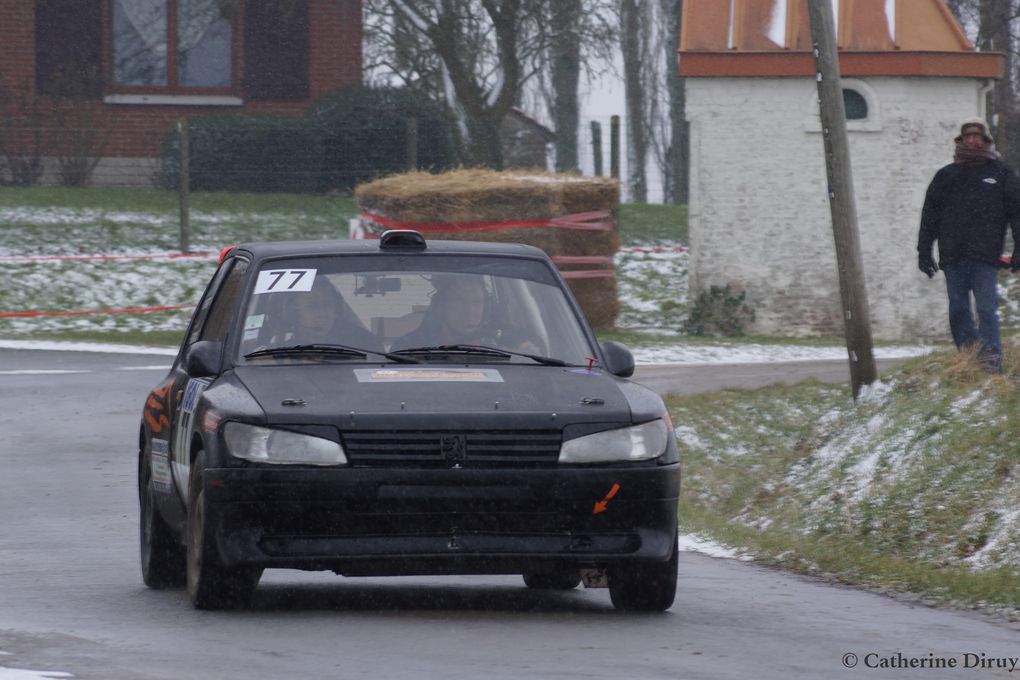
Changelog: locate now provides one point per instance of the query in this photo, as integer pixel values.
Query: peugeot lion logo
(453, 447)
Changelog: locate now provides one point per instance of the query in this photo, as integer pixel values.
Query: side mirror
(203, 358)
(619, 360)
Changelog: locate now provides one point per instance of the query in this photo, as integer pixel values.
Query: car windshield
(465, 308)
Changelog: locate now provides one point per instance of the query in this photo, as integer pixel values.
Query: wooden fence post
(596, 146)
(614, 147)
(183, 182)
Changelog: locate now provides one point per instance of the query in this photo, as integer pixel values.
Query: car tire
(553, 580)
(645, 587)
(211, 585)
(162, 556)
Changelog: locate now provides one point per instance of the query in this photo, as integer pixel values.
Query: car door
(212, 322)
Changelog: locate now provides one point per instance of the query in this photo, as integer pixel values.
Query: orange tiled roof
(875, 37)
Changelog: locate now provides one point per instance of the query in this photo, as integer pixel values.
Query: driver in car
(459, 314)
(321, 316)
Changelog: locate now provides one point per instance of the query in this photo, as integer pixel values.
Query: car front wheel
(211, 585)
(162, 555)
(646, 586)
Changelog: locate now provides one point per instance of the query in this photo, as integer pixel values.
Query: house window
(172, 44)
(855, 104)
(68, 61)
(860, 101)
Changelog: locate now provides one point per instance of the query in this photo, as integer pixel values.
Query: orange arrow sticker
(602, 505)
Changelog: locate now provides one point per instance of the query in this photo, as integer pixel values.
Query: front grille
(435, 448)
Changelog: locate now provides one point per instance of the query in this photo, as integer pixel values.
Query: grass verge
(646, 223)
(916, 487)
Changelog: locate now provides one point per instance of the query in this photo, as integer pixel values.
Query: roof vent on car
(402, 239)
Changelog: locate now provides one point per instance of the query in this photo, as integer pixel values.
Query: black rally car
(397, 407)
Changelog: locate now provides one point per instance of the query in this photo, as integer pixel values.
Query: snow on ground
(691, 543)
(737, 353)
(652, 289)
(25, 674)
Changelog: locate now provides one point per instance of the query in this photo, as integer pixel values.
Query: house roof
(875, 38)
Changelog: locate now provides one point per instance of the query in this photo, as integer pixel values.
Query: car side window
(211, 297)
(222, 308)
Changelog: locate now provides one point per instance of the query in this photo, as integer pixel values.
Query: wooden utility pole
(856, 317)
(183, 185)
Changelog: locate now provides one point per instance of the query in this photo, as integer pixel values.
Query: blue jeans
(964, 279)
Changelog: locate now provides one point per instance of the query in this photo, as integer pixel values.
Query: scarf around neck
(969, 155)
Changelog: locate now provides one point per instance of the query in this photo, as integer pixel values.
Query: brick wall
(137, 131)
(17, 42)
(759, 214)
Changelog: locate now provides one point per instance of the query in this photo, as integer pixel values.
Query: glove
(1014, 262)
(927, 265)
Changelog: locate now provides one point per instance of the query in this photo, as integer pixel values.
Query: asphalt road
(72, 601)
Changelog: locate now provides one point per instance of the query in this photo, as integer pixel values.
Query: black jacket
(966, 210)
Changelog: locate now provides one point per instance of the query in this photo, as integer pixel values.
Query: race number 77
(284, 281)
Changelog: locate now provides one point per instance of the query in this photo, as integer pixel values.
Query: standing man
(968, 204)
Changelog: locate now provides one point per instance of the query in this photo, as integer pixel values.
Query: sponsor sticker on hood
(388, 375)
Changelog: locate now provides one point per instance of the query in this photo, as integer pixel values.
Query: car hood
(488, 395)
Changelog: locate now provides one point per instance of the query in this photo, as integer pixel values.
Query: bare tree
(565, 67)
(20, 135)
(674, 167)
(555, 43)
(79, 138)
(634, 15)
(484, 50)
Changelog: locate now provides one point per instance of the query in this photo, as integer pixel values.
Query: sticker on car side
(182, 434)
(160, 465)
(383, 375)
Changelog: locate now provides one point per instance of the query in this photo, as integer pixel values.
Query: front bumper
(413, 521)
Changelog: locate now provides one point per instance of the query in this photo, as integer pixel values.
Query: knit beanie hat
(978, 125)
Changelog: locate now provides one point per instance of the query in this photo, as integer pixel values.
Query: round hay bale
(485, 205)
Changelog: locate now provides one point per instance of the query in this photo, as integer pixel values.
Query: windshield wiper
(329, 349)
(481, 350)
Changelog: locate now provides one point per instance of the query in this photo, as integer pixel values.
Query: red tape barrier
(18, 259)
(603, 260)
(656, 249)
(126, 310)
(595, 220)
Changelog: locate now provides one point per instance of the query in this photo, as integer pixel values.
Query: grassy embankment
(915, 488)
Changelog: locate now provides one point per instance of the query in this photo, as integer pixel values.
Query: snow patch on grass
(705, 546)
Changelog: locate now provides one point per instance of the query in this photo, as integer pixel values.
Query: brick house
(129, 69)
(759, 212)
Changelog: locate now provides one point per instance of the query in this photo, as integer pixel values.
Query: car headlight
(640, 442)
(265, 445)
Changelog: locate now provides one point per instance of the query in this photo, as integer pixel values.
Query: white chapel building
(759, 212)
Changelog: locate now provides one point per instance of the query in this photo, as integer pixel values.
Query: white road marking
(62, 346)
(69, 371)
(42, 372)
